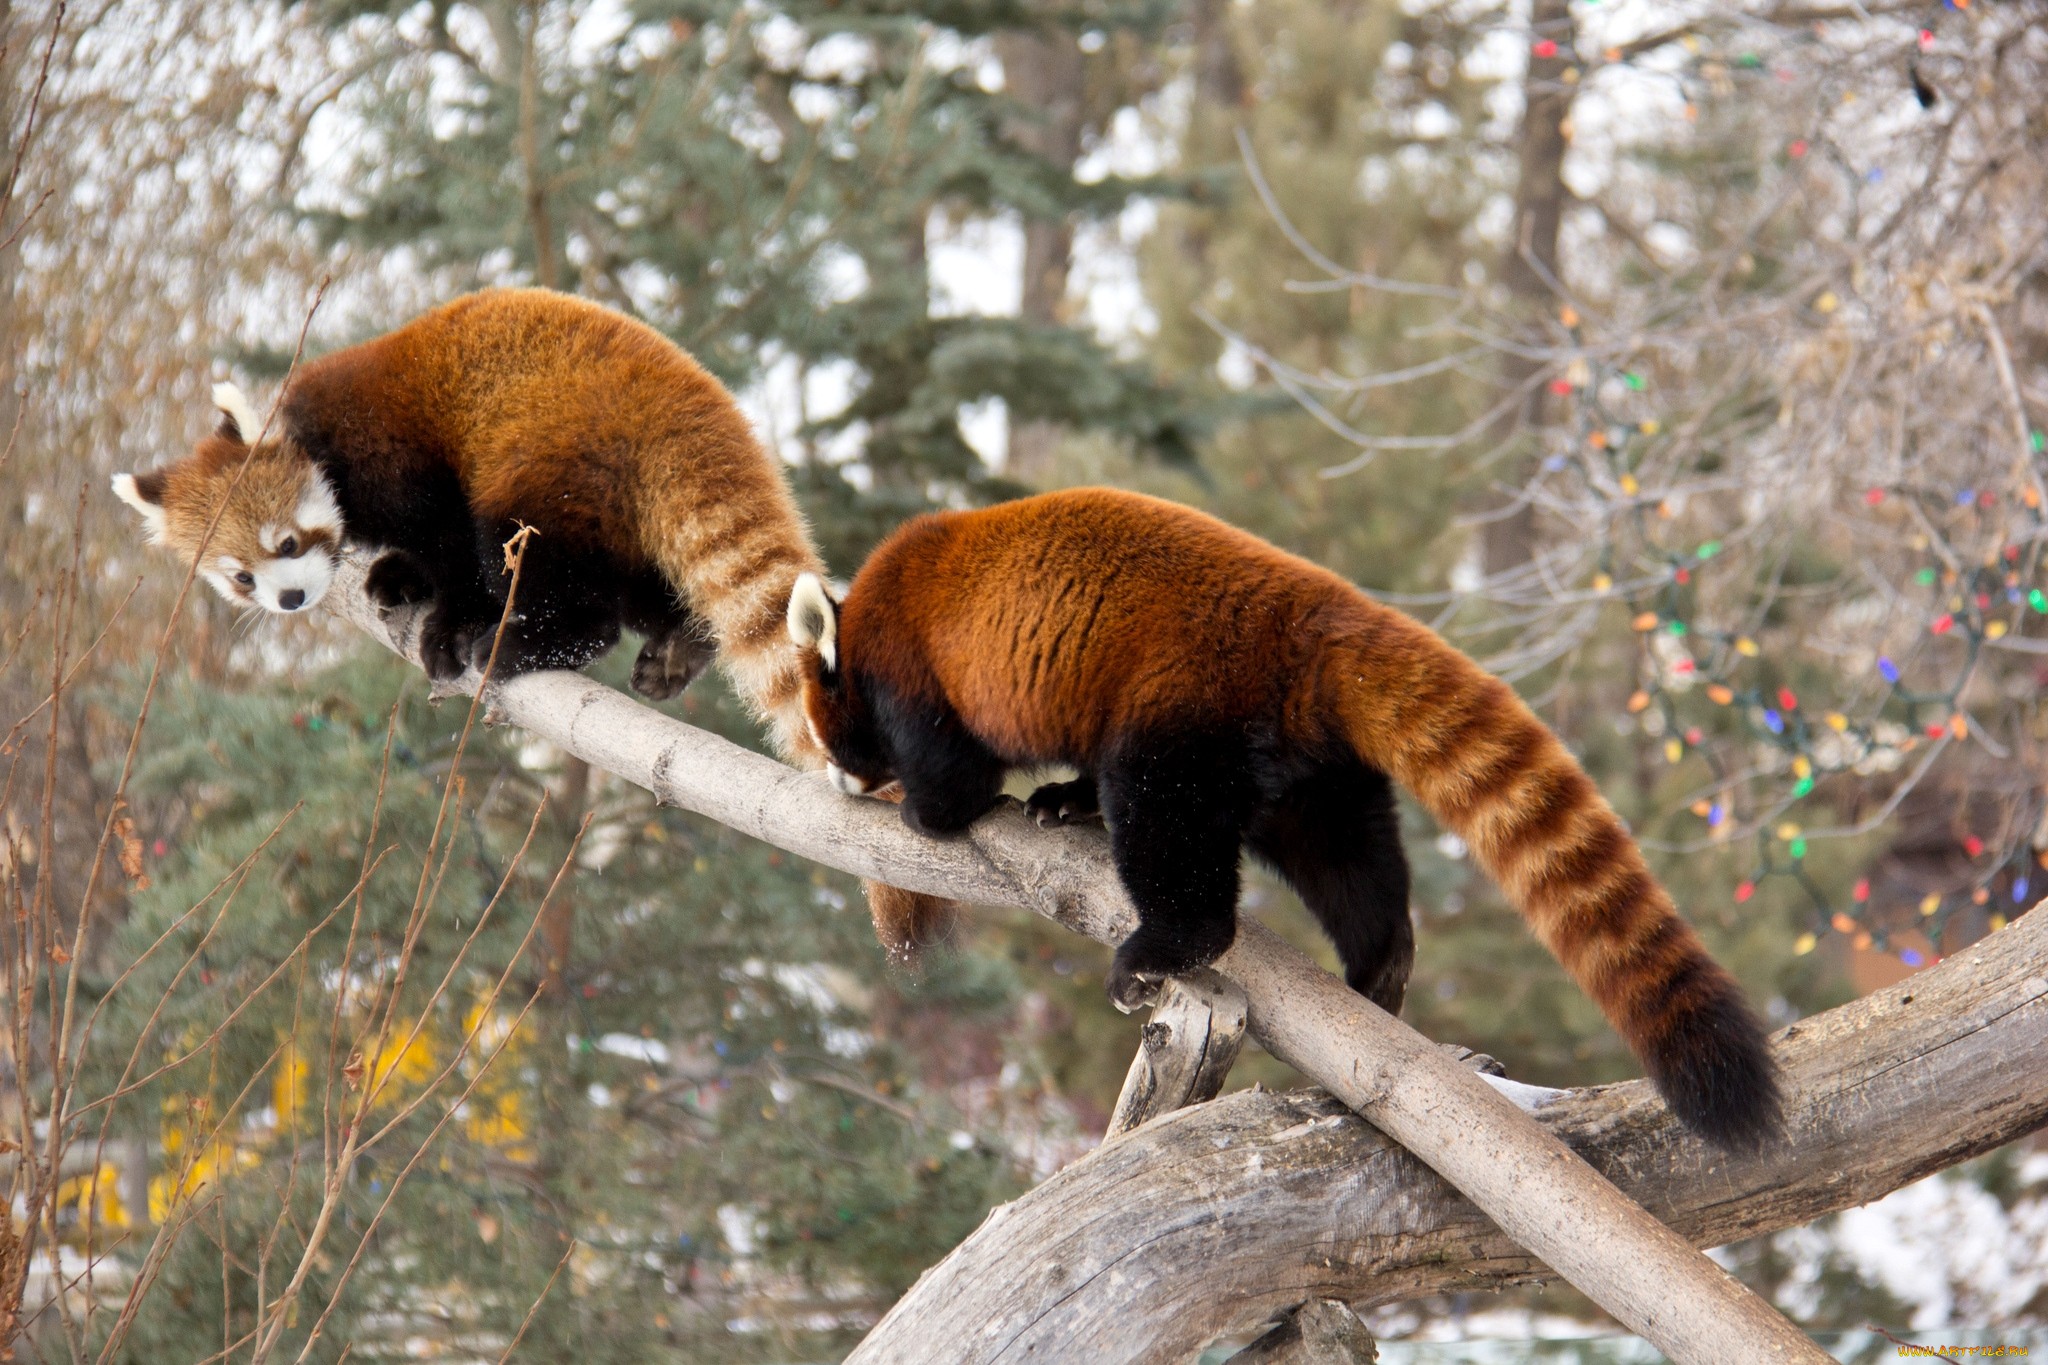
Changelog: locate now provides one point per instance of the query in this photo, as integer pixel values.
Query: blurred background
(1686, 363)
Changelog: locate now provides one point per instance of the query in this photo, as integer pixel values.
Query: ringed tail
(1479, 760)
(735, 562)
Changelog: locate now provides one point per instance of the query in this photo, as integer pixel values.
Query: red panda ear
(145, 493)
(238, 420)
(814, 619)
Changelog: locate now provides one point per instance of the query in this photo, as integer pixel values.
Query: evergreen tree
(758, 183)
(775, 1141)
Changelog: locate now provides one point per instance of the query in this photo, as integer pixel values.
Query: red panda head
(834, 706)
(279, 531)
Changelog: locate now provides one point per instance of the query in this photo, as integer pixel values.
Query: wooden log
(1186, 1051)
(1213, 1220)
(1531, 1184)
(1320, 1332)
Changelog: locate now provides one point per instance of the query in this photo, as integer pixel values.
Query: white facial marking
(845, 780)
(221, 574)
(310, 573)
(152, 515)
(813, 619)
(318, 509)
(816, 738)
(236, 404)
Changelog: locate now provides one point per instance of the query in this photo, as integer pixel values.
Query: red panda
(1218, 695)
(655, 506)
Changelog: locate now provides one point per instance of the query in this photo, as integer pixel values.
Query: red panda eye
(246, 579)
(288, 547)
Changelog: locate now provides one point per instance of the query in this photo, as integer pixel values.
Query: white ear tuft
(238, 409)
(126, 489)
(813, 619)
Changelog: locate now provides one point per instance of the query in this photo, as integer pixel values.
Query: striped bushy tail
(735, 563)
(1480, 761)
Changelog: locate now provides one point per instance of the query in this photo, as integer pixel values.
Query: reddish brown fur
(237, 492)
(600, 432)
(1060, 626)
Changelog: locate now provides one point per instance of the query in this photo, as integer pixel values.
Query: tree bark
(1042, 71)
(1530, 271)
(1186, 1052)
(1219, 79)
(1320, 1332)
(1523, 1177)
(1213, 1220)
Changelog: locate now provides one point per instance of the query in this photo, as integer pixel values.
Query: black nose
(291, 600)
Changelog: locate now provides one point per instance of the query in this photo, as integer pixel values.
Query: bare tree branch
(1300, 1200)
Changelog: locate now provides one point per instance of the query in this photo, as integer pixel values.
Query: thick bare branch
(1215, 1219)
(1185, 1055)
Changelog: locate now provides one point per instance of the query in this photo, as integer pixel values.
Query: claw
(1133, 991)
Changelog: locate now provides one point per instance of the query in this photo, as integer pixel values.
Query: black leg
(679, 644)
(447, 566)
(566, 612)
(671, 661)
(1336, 837)
(446, 639)
(1065, 803)
(950, 779)
(1176, 813)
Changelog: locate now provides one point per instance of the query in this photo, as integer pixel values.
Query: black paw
(1154, 952)
(1384, 983)
(500, 638)
(1478, 1061)
(1131, 990)
(937, 820)
(397, 580)
(924, 824)
(1064, 803)
(670, 662)
(445, 646)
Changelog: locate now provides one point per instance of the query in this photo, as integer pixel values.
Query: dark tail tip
(1714, 1068)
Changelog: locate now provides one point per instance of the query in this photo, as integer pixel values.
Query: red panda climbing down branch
(656, 507)
(1218, 694)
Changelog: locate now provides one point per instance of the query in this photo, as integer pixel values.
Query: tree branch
(1530, 1183)
(1300, 1200)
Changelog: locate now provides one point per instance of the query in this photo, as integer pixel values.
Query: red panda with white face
(1220, 695)
(278, 535)
(655, 506)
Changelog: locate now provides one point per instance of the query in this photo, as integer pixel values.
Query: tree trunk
(1219, 80)
(1530, 274)
(1042, 71)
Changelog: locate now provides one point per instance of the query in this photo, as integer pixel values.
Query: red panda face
(834, 708)
(276, 525)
